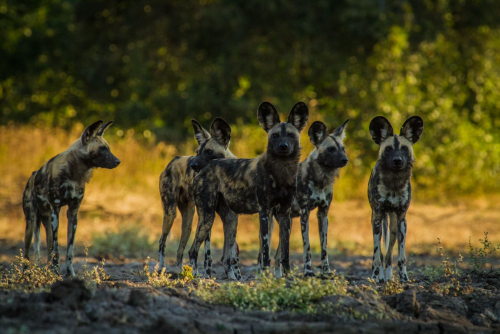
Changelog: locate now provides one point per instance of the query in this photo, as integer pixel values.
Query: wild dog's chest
(393, 198)
(64, 193)
(319, 197)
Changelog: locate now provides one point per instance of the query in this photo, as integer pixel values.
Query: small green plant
(28, 277)
(162, 279)
(478, 256)
(274, 294)
(129, 241)
(392, 287)
(93, 276)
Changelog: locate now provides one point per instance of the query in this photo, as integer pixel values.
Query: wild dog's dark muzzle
(194, 166)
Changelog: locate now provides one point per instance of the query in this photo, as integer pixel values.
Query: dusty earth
(126, 303)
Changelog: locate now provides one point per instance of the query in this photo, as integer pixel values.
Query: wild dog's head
(396, 152)
(330, 148)
(213, 144)
(96, 150)
(283, 139)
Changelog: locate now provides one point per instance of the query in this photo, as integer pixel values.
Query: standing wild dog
(315, 187)
(61, 181)
(389, 191)
(247, 186)
(177, 179)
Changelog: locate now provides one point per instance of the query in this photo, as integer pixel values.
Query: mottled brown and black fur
(315, 187)
(61, 181)
(248, 186)
(389, 192)
(177, 179)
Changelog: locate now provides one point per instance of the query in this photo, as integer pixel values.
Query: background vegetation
(153, 65)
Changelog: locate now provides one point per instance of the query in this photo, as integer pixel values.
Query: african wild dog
(315, 187)
(177, 179)
(247, 186)
(61, 181)
(389, 191)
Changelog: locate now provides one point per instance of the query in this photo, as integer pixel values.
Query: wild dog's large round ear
(104, 127)
(221, 131)
(412, 128)
(380, 129)
(90, 132)
(299, 115)
(200, 133)
(340, 131)
(268, 116)
(317, 133)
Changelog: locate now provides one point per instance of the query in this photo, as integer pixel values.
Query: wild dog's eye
(332, 149)
(275, 135)
(210, 152)
(388, 148)
(291, 135)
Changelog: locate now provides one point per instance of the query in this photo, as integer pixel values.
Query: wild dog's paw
(403, 276)
(378, 275)
(309, 273)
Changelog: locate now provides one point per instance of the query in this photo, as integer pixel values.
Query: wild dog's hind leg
(403, 274)
(72, 215)
(169, 201)
(377, 269)
(393, 226)
(187, 212)
(30, 215)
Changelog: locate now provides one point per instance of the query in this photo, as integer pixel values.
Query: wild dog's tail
(385, 233)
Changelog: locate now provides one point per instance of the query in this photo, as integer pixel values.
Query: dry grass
(129, 196)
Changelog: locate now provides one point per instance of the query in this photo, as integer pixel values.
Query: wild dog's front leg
(304, 226)
(403, 274)
(72, 215)
(205, 222)
(323, 235)
(264, 238)
(54, 224)
(207, 263)
(285, 223)
(377, 269)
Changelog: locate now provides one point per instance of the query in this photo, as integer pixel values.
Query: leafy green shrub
(27, 276)
(478, 256)
(274, 294)
(163, 280)
(129, 241)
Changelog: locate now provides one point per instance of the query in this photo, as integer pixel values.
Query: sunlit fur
(248, 186)
(60, 182)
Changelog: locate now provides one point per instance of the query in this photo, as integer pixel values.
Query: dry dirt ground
(126, 303)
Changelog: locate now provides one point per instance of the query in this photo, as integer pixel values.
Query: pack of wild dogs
(274, 184)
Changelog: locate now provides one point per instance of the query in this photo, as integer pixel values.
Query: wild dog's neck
(79, 167)
(321, 174)
(394, 179)
(283, 169)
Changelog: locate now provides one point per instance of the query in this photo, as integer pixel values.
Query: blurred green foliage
(153, 65)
